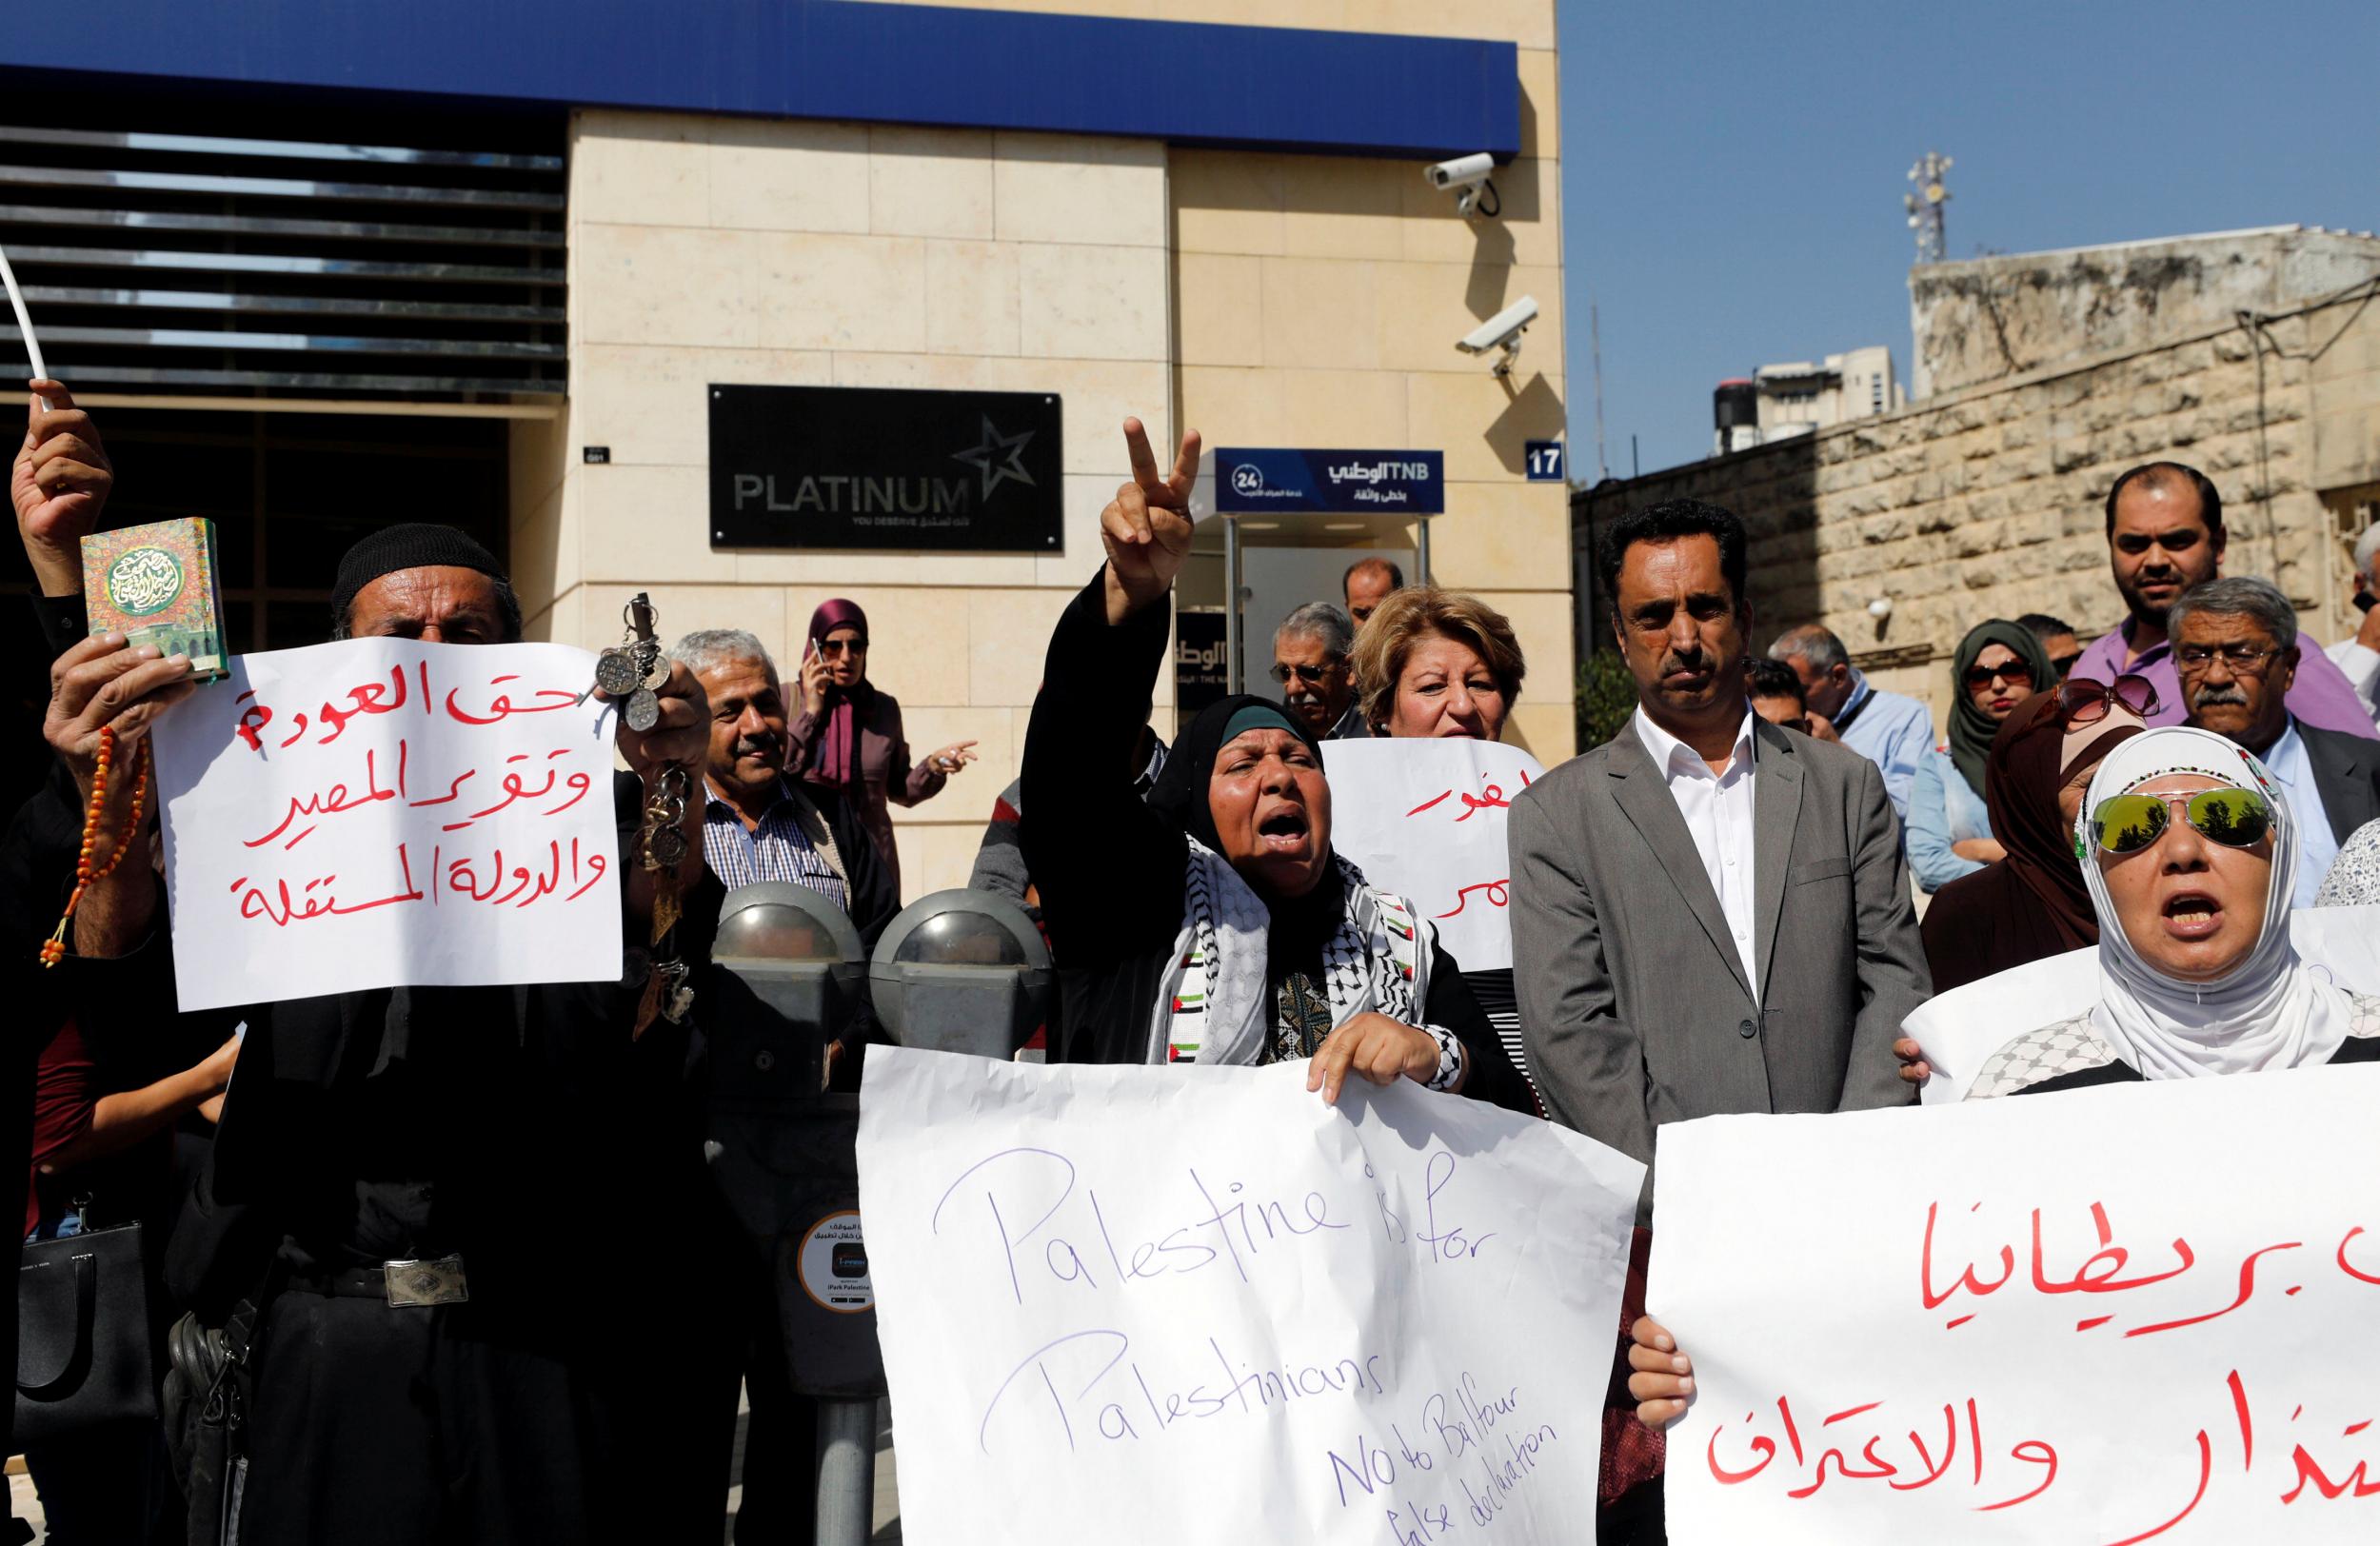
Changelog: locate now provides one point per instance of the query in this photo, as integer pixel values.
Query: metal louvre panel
(153, 260)
(260, 225)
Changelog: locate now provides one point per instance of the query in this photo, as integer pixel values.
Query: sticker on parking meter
(832, 1264)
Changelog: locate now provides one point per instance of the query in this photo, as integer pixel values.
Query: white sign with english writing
(1198, 1305)
(1425, 819)
(2135, 1313)
(381, 812)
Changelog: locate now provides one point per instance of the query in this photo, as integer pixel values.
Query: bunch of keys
(664, 815)
(627, 670)
(631, 671)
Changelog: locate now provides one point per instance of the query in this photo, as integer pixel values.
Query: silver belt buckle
(437, 1280)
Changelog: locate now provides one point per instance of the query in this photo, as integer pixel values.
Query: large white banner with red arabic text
(1425, 819)
(2128, 1314)
(383, 812)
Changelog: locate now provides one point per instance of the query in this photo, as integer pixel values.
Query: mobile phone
(2364, 601)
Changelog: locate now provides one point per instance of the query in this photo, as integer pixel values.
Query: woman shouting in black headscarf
(1213, 923)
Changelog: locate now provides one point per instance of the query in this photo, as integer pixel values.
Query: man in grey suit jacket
(1727, 926)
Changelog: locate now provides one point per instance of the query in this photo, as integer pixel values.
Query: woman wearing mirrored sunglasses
(2190, 851)
(2197, 976)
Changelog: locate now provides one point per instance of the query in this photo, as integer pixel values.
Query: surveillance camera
(1469, 173)
(1502, 331)
(1880, 609)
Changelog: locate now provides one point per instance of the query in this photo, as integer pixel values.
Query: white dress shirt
(2360, 663)
(2317, 845)
(1718, 809)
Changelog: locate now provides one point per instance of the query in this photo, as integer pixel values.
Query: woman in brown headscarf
(2033, 903)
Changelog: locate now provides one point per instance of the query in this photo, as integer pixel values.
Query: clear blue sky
(1732, 173)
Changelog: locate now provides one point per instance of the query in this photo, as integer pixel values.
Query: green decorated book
(158, 584)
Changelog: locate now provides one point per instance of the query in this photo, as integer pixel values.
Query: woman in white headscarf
(2190, 853)
(2189, 850)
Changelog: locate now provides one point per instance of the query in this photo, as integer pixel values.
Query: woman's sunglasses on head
(2234, 818)
(2080, 700)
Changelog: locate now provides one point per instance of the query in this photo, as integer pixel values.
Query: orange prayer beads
(53, 948)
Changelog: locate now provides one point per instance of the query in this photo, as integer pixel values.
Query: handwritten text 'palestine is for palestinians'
(1161, 1305)
(2054, 1317)
(382, 812)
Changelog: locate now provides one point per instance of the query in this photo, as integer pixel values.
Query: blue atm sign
(1341, 483)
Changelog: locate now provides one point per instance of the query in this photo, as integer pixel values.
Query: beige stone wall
(817, 253)
(1317, 303)
(1988, 502)
(1271, 299)
(1987, 319)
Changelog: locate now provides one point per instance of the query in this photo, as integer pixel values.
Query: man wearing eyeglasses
(1310, 651)
(2165, 534)
(2235, 651)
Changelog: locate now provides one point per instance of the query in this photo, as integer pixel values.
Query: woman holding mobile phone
(848, 735)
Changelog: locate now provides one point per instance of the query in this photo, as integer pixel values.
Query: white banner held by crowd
(383, 812)
(2060, 1318)
(1425, 819)
(1198, 1305)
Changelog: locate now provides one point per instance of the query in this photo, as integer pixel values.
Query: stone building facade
(1986, 499)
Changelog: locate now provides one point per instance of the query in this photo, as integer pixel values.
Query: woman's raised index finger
(1143, 460)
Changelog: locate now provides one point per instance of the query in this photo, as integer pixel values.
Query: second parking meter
(961, 971)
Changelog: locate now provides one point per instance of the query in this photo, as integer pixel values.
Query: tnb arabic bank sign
(1258, 482)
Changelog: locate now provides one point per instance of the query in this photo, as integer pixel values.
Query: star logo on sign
(997, 456)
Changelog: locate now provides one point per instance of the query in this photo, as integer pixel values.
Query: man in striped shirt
(758, 825)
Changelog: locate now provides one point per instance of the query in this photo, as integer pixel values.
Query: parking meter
(783, 1147)
(961, 971)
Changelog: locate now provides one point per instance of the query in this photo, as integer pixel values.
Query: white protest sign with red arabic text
(1425, 819)
(383, 812)
(2110, 1315)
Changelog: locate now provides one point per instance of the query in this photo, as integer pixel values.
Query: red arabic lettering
(2349, 1268)
(307, 906)
(1869, 1443)
(364, 698)
(252, 719)
(2354, 1484)
(2113, 1256)
(501, 707)
(1491, 797)
(2247, 1289)
(1967, 1279)
(332, 801)
(453, 789)
(1499, 895)
(517, 885)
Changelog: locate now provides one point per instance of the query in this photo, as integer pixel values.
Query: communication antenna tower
(1925, 205)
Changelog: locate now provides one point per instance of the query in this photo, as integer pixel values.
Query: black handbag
(82, 1335)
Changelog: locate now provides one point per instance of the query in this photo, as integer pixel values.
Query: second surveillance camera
(1470, 174)
(1502, 331)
